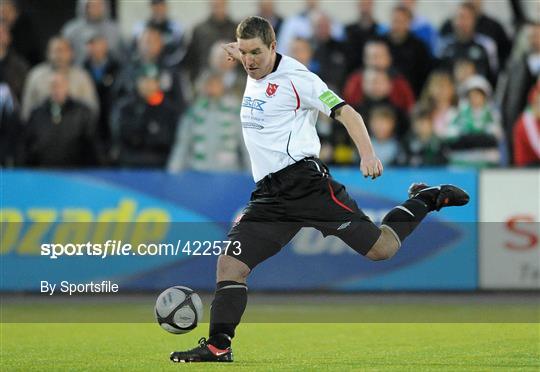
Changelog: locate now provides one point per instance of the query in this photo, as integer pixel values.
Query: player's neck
(271, 67)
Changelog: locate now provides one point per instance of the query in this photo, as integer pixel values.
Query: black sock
(404, 218)
(227, 308)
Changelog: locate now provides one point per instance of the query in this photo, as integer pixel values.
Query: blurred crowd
(467, 93)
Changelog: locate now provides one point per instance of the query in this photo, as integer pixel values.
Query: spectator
(475, 136)
(103, 69)
(209, 137)
(465, 42)
(410, 55)
(422, 147)
(267, 11)
(217, 27)
(421, 27)
(10, 127)
(23, 33)
(359, 32)
(302, 26)
(377, 56)
(329, 57)
(172, 32)
(521, 76)
(149, 61)
(527, 134)
(233, 75)
(302, 51)
(376, 92)
(59, 59)
(440, 95)
(489, 27)
(60, 131)
(464, 68)
(143, 125)
(382, 124)
(13, 68)
(93, 16)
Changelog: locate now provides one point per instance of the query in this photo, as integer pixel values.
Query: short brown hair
(253, 27)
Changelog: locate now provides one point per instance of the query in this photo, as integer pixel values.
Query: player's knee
(384, 248)
(230, 268)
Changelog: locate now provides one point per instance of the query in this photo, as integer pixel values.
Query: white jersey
(279, 113)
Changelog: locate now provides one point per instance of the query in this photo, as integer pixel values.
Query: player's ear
(273, 46)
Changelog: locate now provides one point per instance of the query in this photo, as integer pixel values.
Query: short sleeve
(313, 93)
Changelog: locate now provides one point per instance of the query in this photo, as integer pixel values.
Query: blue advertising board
(122, 207)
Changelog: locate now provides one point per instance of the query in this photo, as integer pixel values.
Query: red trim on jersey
(336, 199)
(297, 97)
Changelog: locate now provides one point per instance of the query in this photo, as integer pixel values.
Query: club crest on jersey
(271, 90)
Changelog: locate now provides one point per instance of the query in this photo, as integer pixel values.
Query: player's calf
(385, 247)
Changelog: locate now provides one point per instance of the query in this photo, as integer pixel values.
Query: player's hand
(232, 51)
(371, 166)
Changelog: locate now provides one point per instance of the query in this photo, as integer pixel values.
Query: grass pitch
(268, 346)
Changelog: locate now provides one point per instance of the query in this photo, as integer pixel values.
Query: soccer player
(294, 189)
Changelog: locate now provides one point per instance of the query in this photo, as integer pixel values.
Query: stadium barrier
(509, 233)
(147, 230)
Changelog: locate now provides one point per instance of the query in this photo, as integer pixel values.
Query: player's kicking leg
(403, 219)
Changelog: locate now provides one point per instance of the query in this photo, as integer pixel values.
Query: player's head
(257, 45)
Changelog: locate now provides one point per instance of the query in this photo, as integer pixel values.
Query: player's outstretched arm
(370, 165)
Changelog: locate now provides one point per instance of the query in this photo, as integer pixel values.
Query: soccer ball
(178, 309)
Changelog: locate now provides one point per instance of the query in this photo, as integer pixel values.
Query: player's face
(257, 58)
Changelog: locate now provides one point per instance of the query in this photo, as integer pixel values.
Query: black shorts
(300, 195)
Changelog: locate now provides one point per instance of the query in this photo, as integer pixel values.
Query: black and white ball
(178, 309)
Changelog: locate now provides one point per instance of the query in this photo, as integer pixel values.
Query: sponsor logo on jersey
(250, 125)
(271, 90)
(253, 103)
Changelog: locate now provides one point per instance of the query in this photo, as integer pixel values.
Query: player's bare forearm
(356, 128)
(353, 122)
